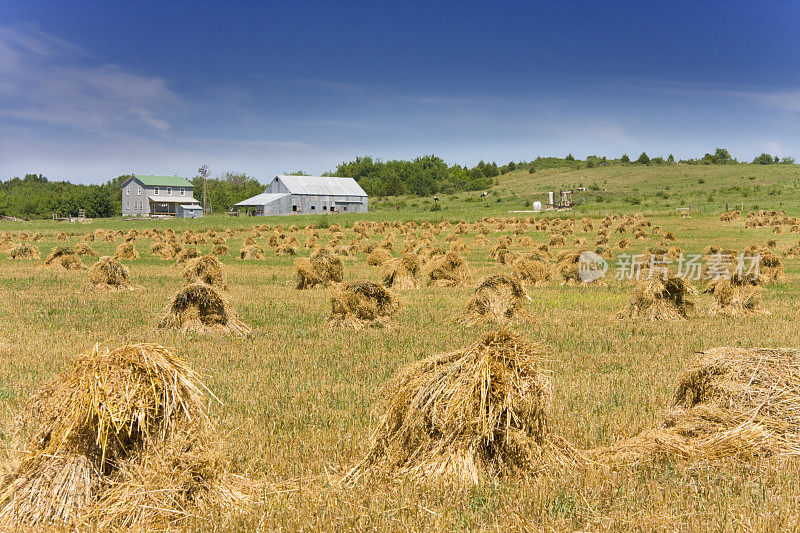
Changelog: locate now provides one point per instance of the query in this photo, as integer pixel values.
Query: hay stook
(122, 439)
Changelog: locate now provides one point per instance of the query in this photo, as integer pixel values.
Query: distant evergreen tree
(644, 159)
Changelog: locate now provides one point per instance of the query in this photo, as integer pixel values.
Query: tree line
(35, 196)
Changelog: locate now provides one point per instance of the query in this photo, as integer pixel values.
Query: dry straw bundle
(24, 251)
(467, 416)
(120, 440)
(253, 252)
(207, 269)
(108, 274)
(286, 249)
(361, 304)
(201, 308)
(741, 403)
(732, 298)
(82, 248)
(403, 273)
(450, 270)
(497, 297)
(657, 298)
(322, 268)
(63, 258)
(378, 257)
(532, 269)
(126, 250)
(219, 250)
(569, 265)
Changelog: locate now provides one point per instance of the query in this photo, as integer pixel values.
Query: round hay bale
(108, 274)
(656, 298)
(63, 258)
(206, 269)
(402, 273)
(25, 251)
(126, 250)
(202, 308)
(120, 440)
(361, 305)
(450, 270)
(499, 298)
(467, 416)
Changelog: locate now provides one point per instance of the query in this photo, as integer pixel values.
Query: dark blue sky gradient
(271, 86)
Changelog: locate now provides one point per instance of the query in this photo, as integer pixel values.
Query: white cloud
(49, 81)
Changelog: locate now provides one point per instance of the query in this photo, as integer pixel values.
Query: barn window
(312, 208)
(324, 207)
(344, 208)
(294, 208)
(155, 190)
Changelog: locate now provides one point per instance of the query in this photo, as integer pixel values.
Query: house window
(128, 190)
(128, 204)
(324, 207)
(140, 191)
(344, 208)
(294, 208)
(312, 208)
(183, 191)
(169, 190)
(155, 190)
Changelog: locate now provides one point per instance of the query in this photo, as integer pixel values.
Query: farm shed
(159, 195)
(291, 195)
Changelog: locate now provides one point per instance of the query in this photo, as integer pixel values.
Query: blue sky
(91, 90)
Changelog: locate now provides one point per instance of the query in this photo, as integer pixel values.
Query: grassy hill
(652, 190)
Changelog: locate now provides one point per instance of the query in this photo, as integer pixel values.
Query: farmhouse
(159, 195)
(292, 195)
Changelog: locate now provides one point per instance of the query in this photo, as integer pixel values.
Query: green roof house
(159, 196)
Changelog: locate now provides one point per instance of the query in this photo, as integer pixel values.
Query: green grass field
(296, 395)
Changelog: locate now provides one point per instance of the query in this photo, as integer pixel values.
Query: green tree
(643, 159)
(625, 159)
(763, 159)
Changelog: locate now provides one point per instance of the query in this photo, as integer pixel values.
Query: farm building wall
(135, 196)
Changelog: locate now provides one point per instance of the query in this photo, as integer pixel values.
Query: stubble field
(296, 395)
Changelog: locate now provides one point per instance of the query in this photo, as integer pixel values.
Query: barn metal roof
(261, 199)
(322, 185)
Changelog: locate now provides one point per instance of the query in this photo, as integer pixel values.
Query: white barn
(294, 195)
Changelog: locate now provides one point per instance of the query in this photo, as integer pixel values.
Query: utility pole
(203, 171)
